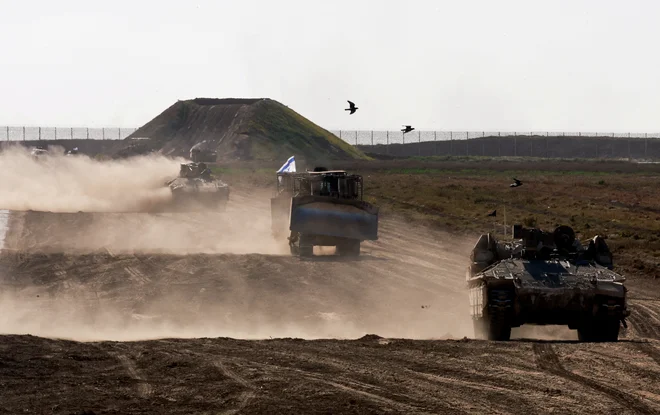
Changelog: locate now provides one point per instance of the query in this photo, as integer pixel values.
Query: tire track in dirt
(356, 388)
(244, 397)
(650, 351)
(144, 388)
(547, 360)
(645, 318)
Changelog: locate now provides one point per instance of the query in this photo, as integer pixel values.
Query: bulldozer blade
(332, 219)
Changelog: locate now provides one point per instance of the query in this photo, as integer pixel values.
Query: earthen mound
(241, 129)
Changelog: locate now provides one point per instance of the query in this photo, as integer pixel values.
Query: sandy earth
(387, 332)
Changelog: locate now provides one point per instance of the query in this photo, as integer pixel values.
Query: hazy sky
(445, 65)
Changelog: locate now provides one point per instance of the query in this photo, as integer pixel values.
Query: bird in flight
(515, 183)
(407, 129)
(352, 108)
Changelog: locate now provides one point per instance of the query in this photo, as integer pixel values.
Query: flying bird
(352, 108)
(493, 213)
(515, 183)
(407, 129)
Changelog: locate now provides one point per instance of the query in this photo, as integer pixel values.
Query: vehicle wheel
(494, 327)
(599, 330)
(499, 330)
(349, 247)
(305, 248)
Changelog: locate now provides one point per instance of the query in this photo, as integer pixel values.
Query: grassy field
(619, 200)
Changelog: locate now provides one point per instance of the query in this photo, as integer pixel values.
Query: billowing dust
(59, 183)
(109, 196)
(409, 284)
(244, 312)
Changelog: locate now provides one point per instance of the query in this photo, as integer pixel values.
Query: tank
(545, 278)
(197, 189)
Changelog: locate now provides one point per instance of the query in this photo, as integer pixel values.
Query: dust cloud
(89, 315)
(244, 285)
(59, 183)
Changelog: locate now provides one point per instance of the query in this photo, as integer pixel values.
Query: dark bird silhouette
(352, 108)
(515, 183)
(493, 213)
(407, 129)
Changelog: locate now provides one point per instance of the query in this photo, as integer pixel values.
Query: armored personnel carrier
(197, 189)
(322, 208)
(545, 278)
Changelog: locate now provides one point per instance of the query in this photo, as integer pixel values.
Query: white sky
(445, 65)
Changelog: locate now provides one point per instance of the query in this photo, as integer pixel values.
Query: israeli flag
(289, 166)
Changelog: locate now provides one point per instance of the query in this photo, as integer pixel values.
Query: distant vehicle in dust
(72, 152)
(196, 188)
(545, 278)
(38, 151)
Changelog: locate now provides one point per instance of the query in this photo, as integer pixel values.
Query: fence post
(71, 135)
(39, 133)
(23, 133)
(387, 140)
(451, 142)
(356, 133)
(56, 133)
(119, 135)
(467, 143)
(515, 145)
(372, 137)
(7, 133)
(88, 133)
(646, 144)
(339, 133)
(103, 133)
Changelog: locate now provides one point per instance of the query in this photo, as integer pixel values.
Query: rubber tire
(349, 248)
(599, 330)
(499, 330)
(491, 329)
(305, 249)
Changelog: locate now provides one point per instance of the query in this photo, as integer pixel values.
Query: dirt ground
(206, 313)
(64, 278)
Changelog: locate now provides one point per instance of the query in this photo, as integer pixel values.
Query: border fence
(425, 143)
(8, 133)
(359, 137)
(374, 137)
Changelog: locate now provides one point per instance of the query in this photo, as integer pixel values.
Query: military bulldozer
(197, 189)
(322, 208)
(545, 278)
